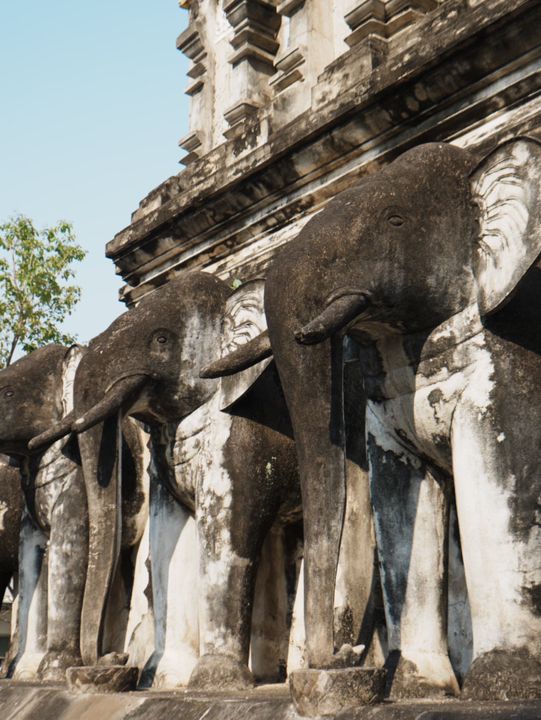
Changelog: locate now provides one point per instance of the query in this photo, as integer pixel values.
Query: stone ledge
(27, 701)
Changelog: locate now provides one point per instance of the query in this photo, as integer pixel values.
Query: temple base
(29, 701)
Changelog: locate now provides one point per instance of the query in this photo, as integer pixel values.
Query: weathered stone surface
(327, 692)
(221, 673)
(21, 701)
(503, 675)
(102, 678)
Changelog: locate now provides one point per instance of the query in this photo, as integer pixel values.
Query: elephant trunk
(342, 307)
(114, 398)
(252, 352)
(100, 449)
(318, 424)
(54, 433)
(100, 445)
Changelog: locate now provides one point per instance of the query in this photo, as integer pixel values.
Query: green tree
(35, 290)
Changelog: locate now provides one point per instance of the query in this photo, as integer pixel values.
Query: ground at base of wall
(27, 701)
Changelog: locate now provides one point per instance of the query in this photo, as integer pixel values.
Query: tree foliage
(36, 294)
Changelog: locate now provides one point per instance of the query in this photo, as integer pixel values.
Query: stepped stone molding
(192, 43)
(292, 55)
(255, 24)
(384, 18)
(192, 144)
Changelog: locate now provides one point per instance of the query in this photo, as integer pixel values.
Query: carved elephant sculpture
(36, 393)
(235, 474)
(431, 265)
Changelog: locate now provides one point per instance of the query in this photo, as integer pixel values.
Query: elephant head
(35, 393)
(435, 214)
(432, 235)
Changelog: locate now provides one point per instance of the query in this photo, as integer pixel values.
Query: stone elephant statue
(236, 475)
(37, 392)
(431, 265)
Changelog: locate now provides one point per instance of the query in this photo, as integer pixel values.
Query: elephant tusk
(252, 352)
(116, 396)
(343, 307)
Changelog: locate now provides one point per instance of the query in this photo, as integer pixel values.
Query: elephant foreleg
(174, 563)
(68, 557)
(497, 486)
(233, 514)
(31, 601)
(269, 637)
(411, 518)
(5, 577)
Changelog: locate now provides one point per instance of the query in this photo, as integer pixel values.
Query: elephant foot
(26, 667)
(503, 675)
(220, 672)
(171, 670)
(54, 664)
(420, 675)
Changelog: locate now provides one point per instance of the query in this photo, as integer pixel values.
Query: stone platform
(26, 701)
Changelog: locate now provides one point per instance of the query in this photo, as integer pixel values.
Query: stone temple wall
(293, 101)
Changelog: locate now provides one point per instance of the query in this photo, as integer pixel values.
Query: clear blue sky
(92, 108)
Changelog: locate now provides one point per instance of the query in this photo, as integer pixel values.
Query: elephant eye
(9, 393)
(396, 220)
(161, 339)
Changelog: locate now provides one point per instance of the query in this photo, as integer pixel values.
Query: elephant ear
(68, 368)
(506, 186)
(70, 362)
(244, 320)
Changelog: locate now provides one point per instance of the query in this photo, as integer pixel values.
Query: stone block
(102, 679)
(327, 692)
